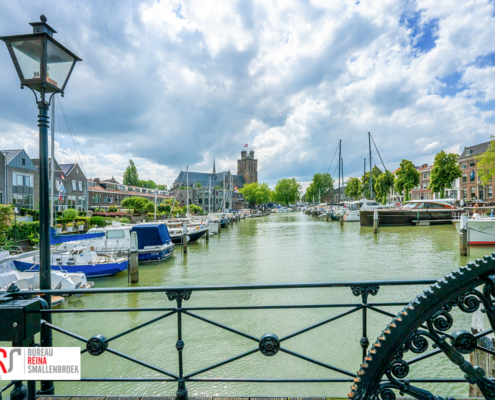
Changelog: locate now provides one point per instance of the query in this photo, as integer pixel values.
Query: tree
(287, 191)
(382, 186)
(365, 181)
(138, 204)
(249, 192)
(148, 184)
(131, 175)
(445, 171)
(161, 187)
(486, 163)
(321, 185)
(407, 178)
(198, 184)
(263, 193)
(353, 188)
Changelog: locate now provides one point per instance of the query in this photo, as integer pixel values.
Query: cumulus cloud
(172, 83)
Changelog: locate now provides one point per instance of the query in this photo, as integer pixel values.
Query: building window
(92, 184)
(464, 193)
(110, 199)
(80, 186)
(464, 178)
(473, 192)
(469, 152)
(23, 180)
(23, 162)
(74, 188)
(472, 177)
(22, 200)
(425, 175)
(472, 163)
(77, 171)
(96, 198)
(425, 186)
(71, 201)
(464, 165)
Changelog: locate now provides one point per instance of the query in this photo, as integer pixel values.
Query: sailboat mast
(342, 176)
(187, 188)
(209, 195)
(371, 175)
(340, 155)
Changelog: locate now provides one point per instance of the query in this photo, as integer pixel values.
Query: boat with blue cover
(79, 259)
(154, 242)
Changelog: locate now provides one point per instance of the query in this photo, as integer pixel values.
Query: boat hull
(90, 270)
(192, 236)
(401, 217)
(155, 255)
(481, 233)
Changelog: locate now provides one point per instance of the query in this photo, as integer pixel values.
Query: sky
(175, 83)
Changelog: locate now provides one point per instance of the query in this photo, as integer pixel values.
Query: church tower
(247, 166)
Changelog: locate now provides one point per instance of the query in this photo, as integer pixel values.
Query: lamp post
(44, 66)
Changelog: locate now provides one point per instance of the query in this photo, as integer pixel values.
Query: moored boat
(481, 229)
(414, 212)
(154, 242)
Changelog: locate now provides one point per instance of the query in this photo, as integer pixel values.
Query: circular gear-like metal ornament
(463, 341)
(269, 344)
(97, 345)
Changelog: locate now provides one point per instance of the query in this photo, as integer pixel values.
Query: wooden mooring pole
(463, 236)
(376, 222)
(184, 237)
(134, 259)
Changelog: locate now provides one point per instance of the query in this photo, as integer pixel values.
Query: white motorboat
(481, 230)
(354, 208)
(30, 280)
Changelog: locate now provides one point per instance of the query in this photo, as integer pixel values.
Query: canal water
(280, 248)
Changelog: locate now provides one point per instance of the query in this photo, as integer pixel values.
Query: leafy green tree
(161, 187)
(263, 193)
(321, 185)
(131, 175)
(249, 192)
(445, 171)
(198, 184)
(217, 187)
(287, 191)
(382, 185)
(148, 184)
(138, 204)
(353, 188)
(365, 181)
(407, 178)
(486, 163)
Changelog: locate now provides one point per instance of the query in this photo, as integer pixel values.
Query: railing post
(364, 291)
(179, 296)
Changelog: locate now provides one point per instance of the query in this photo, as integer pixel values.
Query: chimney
(97, 181)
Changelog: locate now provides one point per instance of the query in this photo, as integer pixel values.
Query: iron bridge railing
(269, 344)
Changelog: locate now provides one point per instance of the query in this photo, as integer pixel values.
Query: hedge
(108, 214)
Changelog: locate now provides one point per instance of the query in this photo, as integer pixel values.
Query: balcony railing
(268, 344)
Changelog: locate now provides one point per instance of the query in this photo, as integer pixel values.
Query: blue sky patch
(423, 35)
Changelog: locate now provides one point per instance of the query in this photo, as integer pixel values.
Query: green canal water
(279, 248)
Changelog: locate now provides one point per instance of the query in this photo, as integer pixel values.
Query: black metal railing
(269, 344)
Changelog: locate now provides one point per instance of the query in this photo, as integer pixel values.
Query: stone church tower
(247, 166)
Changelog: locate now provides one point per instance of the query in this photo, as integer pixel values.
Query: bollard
(376, 222)
(134, 259)
(328, 216)
(342, 219)
(208, 235)
(463, 236)
(184, 237)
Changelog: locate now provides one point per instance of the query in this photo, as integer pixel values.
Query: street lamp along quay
(44, 66)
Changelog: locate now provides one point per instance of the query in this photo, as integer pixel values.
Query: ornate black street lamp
(44, 66)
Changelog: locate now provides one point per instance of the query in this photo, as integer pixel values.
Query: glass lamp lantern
(40, 61)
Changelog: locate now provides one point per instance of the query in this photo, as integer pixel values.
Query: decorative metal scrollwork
(364, 291)
(97, 345)
(427, 319)
(269, 344)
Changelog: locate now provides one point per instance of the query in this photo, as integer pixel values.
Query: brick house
(470, 185)
(421, 192)
(106, 193)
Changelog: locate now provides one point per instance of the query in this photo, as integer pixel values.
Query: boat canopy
(151, 235)
(59, 239)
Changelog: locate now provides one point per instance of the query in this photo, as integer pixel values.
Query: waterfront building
(110, 192)
(19, 179)
(421, 192)
(58, 180)
(470, 184)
